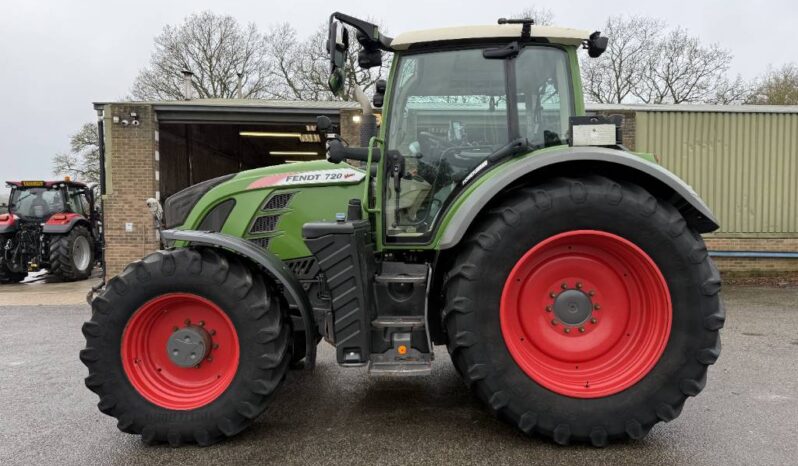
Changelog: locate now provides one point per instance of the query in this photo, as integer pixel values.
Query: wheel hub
(188, 346)
(585, 313)
(573, 307)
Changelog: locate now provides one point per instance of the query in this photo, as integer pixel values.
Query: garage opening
(199, 143)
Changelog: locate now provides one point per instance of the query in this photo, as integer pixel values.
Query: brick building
(157, 149)
(742, 159)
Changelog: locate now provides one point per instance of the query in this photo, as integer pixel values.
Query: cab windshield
(450, 111)
(36, 202)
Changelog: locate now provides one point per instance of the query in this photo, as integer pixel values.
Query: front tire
(72, 254)
(146, 379)
(596, 315)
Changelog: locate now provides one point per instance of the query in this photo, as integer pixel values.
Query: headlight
(178, 206)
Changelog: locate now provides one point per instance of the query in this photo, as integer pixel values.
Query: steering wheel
(428, 138)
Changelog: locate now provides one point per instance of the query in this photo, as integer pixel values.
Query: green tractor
(566, 275)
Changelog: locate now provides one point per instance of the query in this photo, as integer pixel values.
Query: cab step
(401, 359)
(411, 322)
(404, 368)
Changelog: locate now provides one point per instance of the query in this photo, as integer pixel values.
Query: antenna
(526, 29)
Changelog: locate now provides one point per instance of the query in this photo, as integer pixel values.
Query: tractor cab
(462, 100)
(39, 201)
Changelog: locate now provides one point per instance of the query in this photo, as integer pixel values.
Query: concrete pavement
(748, 414)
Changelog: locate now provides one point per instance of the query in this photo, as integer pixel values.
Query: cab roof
(553, 34)
(44, 184)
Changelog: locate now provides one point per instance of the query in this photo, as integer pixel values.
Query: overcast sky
(59, 56)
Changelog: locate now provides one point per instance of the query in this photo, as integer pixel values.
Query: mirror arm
(369, 30)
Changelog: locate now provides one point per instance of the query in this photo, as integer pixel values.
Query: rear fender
(59, 224)
(647, 174)
(8, 223)
(264, 260)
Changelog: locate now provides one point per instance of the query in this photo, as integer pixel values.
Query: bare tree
(215, 48)
(777, 87)
(614, 76)
(648, 63)
(541, 15)
(680, 69)
(302, 67)
(82, 162)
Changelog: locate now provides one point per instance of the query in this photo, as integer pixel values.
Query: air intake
(264, 224)
(278, 201)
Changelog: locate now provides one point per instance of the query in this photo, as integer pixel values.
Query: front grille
(262, 242)
(278, 201)
(265, 224)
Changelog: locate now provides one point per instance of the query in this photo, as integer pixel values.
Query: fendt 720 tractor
(566, 275)
(49, 225)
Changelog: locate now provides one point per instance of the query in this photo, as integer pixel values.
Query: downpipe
(368, 121)
(101, 149)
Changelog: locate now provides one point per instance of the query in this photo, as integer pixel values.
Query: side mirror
(323, 123)
(596, 44)
(337, 46)
(379, 93)
(369, 56)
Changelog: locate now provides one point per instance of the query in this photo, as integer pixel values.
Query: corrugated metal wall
(744, 165)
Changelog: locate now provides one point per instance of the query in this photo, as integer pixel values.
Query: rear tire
(126, 346)
(72, 254)
(482, 342)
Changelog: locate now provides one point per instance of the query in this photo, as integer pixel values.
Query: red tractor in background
(51, 225)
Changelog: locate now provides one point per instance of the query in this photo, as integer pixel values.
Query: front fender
(698, 214)
(267, 261)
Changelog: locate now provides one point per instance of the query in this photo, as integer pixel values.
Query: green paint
(310, 203)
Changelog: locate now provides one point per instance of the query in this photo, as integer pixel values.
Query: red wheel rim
(548, 294)
(147, 363)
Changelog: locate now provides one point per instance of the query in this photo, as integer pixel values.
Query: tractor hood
(268, 205)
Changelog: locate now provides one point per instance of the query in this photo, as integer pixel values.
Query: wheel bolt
(566, 330)
(564, 286)
(187, 322)
(593, 320)
(591, 293)
(213, 332)
(202, 323)
(553, 321)
(579, 285)
(553, 294)
(210, 359)
(216, 346)
(176, 329)
(581, 330)
(597, 306)
(548, 308)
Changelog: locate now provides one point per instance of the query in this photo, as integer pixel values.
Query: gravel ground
(746, 415)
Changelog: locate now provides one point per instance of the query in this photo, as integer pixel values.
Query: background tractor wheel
(596, 315)
(186, 346)
(72, 254)
(7, 275)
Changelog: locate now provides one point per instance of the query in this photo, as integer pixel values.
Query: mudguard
(63, 224)
(696, 212)
(8, 223)
(269, 262)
